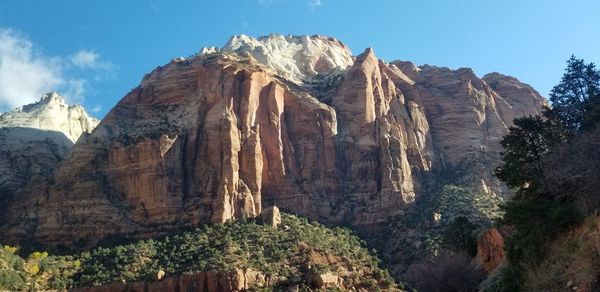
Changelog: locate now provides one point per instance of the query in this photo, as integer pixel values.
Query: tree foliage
(577, 95)
(446, 272)
(292, 253)
(525, 145)
(461, 235)
(548, 161)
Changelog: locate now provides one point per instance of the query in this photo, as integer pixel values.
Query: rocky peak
(51, 113)
(523, 97)
(296, 58)
(503, 83)
(35, 138)
(214, 137)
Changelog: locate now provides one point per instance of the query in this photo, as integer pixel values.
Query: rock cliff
(236, 280)
(51, 113)
(490, 249)
(292, 121)
(35, 137)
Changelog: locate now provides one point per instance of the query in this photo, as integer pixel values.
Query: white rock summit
(296, 58)
(51, 113)
(35, 138)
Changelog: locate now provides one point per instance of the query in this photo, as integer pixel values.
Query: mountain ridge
(35, 138)
(218, 136)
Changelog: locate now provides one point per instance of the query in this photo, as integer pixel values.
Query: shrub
(446, 272)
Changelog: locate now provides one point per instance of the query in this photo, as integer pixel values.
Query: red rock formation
(214, 137)
(236, 280)
(490, 249)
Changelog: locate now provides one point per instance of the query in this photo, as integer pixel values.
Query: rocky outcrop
(51, 113)
(25, 153)
(235, 280)
(213, 137)
(468, 118)
(34, 138)
(299, 59)
(271, 216)
(490, 249)
(522, 99)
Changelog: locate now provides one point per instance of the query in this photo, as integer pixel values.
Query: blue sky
(96, 51)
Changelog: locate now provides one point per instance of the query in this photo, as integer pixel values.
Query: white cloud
(75, 90)
(311, 3)
(265, 2)
(96, 108)
(314, 3)
(154, 7)
(26, 74)
(85, 59)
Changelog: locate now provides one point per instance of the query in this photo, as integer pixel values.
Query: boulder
(271, 216)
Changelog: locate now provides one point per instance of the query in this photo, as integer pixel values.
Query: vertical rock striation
(35, 138)
(295, 122)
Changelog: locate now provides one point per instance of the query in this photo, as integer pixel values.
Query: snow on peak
(51, 113)
(296, 58)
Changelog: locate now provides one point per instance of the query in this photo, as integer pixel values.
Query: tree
(460, 235)
(551, 161)
(576, 95)
(446, 272)
(591, 121)
(524, 147)
(572, 170)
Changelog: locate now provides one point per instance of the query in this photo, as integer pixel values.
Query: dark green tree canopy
(525, 145)
(576, 95)
(552, 162)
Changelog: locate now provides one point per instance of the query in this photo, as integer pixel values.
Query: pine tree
(576, 95)
(525, 145)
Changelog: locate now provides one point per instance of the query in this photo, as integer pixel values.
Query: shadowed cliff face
(35, 138)
(216, 136)
(27, 153)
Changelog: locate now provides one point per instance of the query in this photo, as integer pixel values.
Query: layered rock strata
(215, 137)
(35, 138)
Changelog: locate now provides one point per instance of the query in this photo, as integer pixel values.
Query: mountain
(51, 113)
(293, 121)
(35, 137)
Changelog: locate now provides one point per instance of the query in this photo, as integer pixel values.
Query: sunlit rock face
(296, 58)
(35, 137)
(296, 122)
(51, 113)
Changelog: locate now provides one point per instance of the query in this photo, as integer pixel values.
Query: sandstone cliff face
(490, 249)
(468, 118)
(217, 136)
(236, 280)
(34, 138)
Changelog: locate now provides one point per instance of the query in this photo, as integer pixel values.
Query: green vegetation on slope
(290, 254)
(36, 272)
(552, 163)
(431, 245)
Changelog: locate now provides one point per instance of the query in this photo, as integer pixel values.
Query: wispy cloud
(314, 3)
(75, 90)
(26, 73)
(154, 7)
(265, 2)
(311, 3)
(86, 59)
